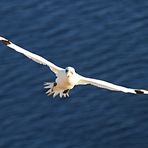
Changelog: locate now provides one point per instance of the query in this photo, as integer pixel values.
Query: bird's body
(67, 78)
(63, 83)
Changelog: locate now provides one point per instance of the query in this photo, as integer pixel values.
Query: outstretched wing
(30, 55)
(110, 86)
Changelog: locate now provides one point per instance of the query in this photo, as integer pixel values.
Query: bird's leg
(54, 84)
(66, 92)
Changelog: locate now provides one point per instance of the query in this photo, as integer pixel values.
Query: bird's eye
(66, 70)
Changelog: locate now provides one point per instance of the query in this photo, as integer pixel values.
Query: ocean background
(102, 39)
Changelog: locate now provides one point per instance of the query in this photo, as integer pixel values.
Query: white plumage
(67, 78)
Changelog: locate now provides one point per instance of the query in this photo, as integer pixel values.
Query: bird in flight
(67, 78)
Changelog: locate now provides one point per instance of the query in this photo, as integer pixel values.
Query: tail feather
(55, 94)
(53, 91)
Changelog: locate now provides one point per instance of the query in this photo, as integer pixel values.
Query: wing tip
(4, 41)
(139, 91)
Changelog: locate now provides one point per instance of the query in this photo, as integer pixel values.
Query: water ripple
(102, 39)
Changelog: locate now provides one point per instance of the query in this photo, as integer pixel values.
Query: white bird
(67, 78)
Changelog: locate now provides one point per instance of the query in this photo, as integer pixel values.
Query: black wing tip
(139, 92)
(6, 42)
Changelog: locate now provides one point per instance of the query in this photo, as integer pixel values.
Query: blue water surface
(103, 39)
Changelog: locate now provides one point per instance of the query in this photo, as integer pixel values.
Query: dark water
(103, 39)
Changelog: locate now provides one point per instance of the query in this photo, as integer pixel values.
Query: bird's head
(69, 71)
